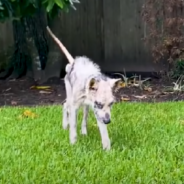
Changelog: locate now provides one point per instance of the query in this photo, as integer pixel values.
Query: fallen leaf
(121, 84)
(140, 97)
(149, 89)
(8, 89)
(136, 84)
(12, 80)
(45, 92)
(29, 114)
(166, 93)
(13, 103)
(40, 87)
(125, 99)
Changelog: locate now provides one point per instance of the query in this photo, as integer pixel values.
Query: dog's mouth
(104, 120)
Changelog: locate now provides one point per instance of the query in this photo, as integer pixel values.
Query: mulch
(19, 92)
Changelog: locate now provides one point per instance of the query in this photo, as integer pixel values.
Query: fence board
(123, 33)
(112, 32)
(82, 30)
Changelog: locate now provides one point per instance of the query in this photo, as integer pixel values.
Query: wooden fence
(109, 32)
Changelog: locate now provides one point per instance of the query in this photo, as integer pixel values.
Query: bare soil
(19, 92)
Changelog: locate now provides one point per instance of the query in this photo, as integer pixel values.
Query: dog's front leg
(73, 124)
(104, 135)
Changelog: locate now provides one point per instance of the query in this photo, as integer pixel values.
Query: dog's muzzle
(107, 119)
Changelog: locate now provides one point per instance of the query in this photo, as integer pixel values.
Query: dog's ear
(115, 84)
(93, 84)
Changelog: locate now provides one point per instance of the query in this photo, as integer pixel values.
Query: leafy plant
(29, 23)
(16, 9)
(178, 69)
(165, 22)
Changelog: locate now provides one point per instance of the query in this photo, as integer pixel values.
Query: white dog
(86, 86)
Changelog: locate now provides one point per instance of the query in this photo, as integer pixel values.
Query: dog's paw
(106, 144)
(73, 139)
(84, 131)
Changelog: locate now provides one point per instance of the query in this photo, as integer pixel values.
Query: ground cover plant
(147, 146)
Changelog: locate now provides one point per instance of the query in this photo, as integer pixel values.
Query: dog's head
(101, 96)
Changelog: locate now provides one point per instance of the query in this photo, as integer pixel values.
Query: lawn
(147, 147)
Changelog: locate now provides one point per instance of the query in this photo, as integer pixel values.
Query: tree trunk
(30, 46)
(37, 42)
(20, 59)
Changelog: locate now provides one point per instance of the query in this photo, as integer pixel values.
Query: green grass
(147, 147)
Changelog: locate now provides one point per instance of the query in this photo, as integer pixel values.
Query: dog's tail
(62, 47)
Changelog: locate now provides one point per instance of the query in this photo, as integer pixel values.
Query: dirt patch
(19, 92)
(158, 90)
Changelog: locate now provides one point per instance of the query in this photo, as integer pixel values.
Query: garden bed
(19, 92)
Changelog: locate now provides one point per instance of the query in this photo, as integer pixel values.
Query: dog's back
(80, 71)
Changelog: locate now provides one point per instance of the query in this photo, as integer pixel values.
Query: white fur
(79, 94)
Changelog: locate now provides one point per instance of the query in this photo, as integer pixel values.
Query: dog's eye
(99, 105)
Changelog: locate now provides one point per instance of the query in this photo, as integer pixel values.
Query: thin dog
(86, 86)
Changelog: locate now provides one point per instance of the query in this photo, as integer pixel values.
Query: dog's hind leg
(66, 108)
(70, 115)
(65, 115)
(84, 120)
(73, 123)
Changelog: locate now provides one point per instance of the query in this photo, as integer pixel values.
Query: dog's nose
(107, 119)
